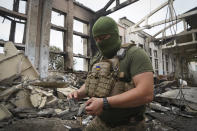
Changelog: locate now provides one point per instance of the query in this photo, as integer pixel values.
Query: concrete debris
(87, 120)
(4, 112)
(19, 65)
(172, 122)
(39, 90)
(63, 92)
(81, 109)
(159, 107)
(180, 97)
(41, 124)
(74, 79)
(38, 103)
(59, 112)
(51, 100)
(73, 105)
(164, 86)
(22, 99)
(6, 93)
(172, 104)
(37, 100)
(174, 107)
(156, 125)
(46, 112)
(45, 98)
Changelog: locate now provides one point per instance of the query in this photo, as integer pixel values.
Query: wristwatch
(106, 104)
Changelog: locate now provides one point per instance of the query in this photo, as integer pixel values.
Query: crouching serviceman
(119, 84)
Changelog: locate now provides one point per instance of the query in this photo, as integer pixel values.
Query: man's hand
(74, 94)
(94, 106)
(78, 94)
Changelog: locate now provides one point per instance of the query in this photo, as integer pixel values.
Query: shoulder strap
(98, 57)
(122, 52)
(127, 45)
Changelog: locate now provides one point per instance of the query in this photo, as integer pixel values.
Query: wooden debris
(51, 84)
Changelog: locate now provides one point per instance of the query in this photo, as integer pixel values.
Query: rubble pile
(40, 99)
(28, 103)
(28, 100)
(174, 107)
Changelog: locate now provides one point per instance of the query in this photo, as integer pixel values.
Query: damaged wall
(38, 24)
(72, 11)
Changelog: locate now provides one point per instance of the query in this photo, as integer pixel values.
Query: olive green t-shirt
(136, 61)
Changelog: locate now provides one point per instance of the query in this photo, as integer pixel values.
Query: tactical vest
(105, 78)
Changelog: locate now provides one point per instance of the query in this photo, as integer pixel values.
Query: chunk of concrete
(6, 93)
(38, 90)
(182, 96)
(36, 99)
(4, 112)
(22, 99)
(51, 100)
(15, 63)
(157, 106)
(43, 102)
(66, 91)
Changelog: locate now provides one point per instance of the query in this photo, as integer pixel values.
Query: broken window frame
(141, 46)
(64, 31)
(151, 60)
(167, 70)
(155, 54)
(156, 61)
(167, 63)
(163, 67)
(83, 36)
(156, 64)
(15, 17)
(163, 63)
(150, 52)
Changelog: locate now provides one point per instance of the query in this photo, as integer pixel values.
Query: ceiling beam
(164, 21)
(150, 14)
(176, 35)
(120, 6)
(108, 4)
(104, 12)
(162, 30)
(180, 44)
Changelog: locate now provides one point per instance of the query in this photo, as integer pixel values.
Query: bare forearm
(140, 95)
(82, 91)
(131, 98)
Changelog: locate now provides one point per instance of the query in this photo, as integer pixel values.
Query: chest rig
(105, 77)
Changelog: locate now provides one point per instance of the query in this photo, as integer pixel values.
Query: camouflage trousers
(98, 125)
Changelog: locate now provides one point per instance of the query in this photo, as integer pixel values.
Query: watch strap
(106, 104)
